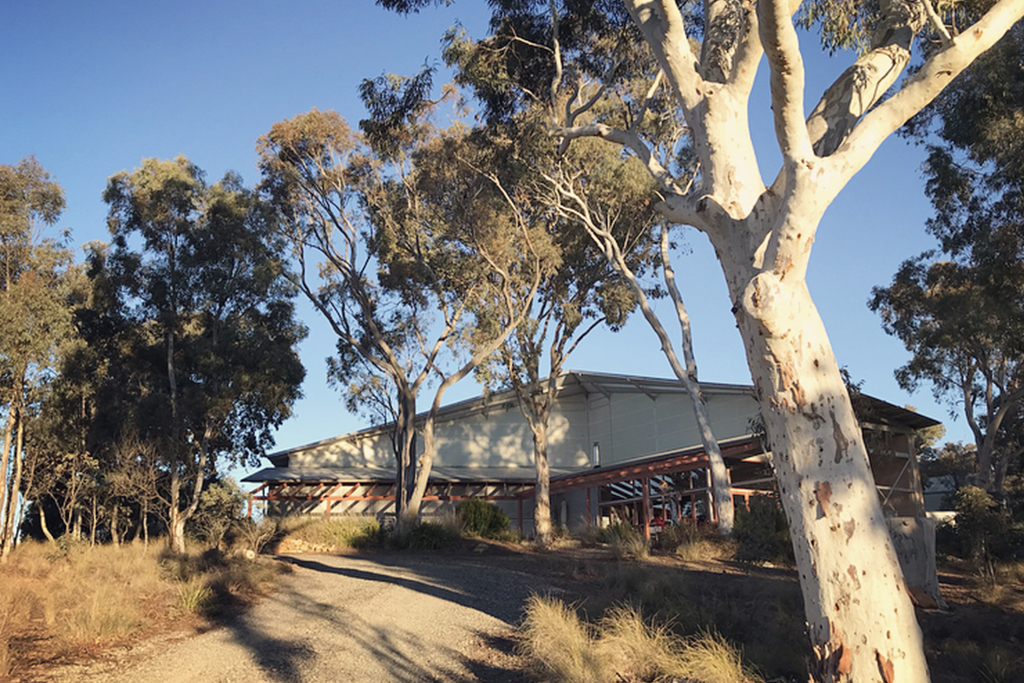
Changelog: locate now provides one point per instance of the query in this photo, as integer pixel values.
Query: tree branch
(662, 26)
(778, 36)
(860, 86)
(723, 28)
(626, 139)
(748, 54)
(922, 87)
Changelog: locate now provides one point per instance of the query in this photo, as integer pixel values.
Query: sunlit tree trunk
(542, 489)
(9, 530)
(861, 618)
(115, 538)
(42, 521)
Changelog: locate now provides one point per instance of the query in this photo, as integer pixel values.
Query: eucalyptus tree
(36, 300)
(960, 309)
(397, 242)
(962, 319)
(589, 184)
(861, 619)
(213, 329)
(581, 293)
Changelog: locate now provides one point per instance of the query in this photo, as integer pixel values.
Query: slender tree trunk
(406, 462)
(9, 530)
(424, 462)
(92, 523)
(542, 490)
(5, 474)
(687, 376)
(861, 619)
(114, 538)
(145, 524)
(175, 526)
(42, 521)
(179, 517)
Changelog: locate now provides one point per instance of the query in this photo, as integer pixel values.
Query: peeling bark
(858, 612)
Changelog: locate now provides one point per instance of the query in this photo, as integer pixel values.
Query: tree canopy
(201, 317)
(960, 309)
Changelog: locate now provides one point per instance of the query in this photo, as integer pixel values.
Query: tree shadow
(475, 585)
(359, 646)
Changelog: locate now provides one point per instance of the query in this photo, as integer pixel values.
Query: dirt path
(401, 617)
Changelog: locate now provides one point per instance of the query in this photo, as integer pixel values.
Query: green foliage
(959, 310)
(983, 532)
(955, 460)
(209, 285)
(38, 294)
(482, 518)
(220, 507)
(426, 536)
(762, 532)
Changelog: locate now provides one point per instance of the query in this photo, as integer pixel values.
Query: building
(619, 447)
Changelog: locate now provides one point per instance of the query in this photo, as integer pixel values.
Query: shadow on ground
(398, 649)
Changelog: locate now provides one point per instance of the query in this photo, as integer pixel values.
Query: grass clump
(70, 597)
(622, 647)
(334, 534)
(625, 541)
(193, 596)
(693, 542)
(560, 646)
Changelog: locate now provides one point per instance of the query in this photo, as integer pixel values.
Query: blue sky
(92, 88)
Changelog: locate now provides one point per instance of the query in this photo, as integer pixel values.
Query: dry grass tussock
(74, 598)
(327, 535)
(622, 647)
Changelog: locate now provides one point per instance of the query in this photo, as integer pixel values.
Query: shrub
(482, 518)
(984, 531)
(428, 536)
(251, 536)
(762, 532)
(220, 506)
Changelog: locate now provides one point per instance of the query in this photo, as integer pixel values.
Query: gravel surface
(385, 617)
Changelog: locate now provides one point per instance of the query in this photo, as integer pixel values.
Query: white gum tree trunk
(861, 620)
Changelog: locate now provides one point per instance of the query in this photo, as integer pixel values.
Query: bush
(428, 536)
(252, 537)
(482, 518)
(984, 531)
(762, 532)
(220, 506)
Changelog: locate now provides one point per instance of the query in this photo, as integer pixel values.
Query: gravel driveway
(387, 617)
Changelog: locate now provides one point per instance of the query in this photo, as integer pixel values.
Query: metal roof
(442, 474)
(569, 382)
(870, 410)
